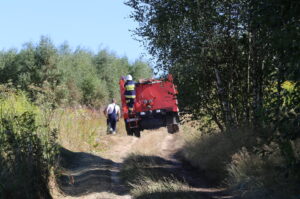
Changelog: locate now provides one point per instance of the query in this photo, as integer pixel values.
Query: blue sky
(91, 24)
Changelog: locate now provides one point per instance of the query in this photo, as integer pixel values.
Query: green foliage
(27, 148)
(93, 92)
(67, 77)
(236, 63)
(139, 70)
(223, 54)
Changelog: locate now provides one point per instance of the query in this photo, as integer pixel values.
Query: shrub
(27, 148)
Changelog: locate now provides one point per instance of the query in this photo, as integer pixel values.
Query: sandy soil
(96, 175)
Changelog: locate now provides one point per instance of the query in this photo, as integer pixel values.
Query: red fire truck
(155, 106)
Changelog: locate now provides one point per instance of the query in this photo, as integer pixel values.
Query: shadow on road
(83, 173)
(159, 170)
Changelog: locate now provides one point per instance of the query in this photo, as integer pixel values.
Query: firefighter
(112, 113)
(129, 93)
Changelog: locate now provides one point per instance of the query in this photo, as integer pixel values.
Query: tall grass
(250, 169)
(27, 148)
(212, 152)
(255, 176)
(82, 129)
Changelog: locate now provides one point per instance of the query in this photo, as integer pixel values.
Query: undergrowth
(27, 148)
(239, 160)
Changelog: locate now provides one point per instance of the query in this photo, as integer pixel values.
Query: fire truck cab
(155, 106)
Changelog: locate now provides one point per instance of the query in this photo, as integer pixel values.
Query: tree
(224, 54)
(140, 70)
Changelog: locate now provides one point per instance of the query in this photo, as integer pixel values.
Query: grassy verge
(151, 177)
(234, 158)
(82, 129)
(212, 152)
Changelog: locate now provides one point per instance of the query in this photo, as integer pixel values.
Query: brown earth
(96, 175)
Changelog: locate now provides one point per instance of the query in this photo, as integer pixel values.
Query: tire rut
(96, 176)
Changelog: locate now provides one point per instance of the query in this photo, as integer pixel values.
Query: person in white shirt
(112, 113)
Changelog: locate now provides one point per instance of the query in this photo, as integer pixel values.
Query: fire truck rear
(155, 106)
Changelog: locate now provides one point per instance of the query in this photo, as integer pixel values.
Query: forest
(65, 76)
(236, 64)
(237, 67)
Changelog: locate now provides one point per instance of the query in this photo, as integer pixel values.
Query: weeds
(27, 149)
(81, 129)
(239, 159)
(254, 176)
(212, 152)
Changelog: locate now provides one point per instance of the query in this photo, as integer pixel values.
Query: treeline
(33, 82)
(236, 64)
(63, 76)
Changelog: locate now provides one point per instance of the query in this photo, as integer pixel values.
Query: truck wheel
(137, 133)
(173, 128)
(128, 130)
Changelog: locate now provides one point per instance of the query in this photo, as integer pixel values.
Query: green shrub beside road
(27, 148)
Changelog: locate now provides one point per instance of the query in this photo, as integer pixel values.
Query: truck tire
(173, 128)
(137, 133)
(128, 130)
(172, 123)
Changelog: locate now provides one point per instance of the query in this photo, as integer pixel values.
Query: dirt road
(96, 175)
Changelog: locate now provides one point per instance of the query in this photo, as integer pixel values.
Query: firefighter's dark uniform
(130, 94)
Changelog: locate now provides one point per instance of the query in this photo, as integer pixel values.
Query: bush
(254, 176)
(27, 148)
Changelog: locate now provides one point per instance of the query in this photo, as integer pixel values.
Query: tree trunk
(222, 97)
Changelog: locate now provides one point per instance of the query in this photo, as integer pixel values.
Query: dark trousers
(113, 124)
(130, 103)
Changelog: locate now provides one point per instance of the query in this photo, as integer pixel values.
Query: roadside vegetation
(52, 97)
(81, 129)
(28, 147)
(237, 68)
(150, 177)
(236, 65)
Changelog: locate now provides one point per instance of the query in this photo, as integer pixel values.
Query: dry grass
(150, 177)
(149, 173)
(253, 176)
(162, 189)
(82, 129)
(150, 141)
(208, 152)
(226, 157)
(212, 152)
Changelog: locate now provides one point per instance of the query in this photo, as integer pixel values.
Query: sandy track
(96, 176)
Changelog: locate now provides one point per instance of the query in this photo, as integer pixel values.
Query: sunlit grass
(149, 177)
(82, 129)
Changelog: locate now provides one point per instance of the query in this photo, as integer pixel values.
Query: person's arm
(105, 111)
